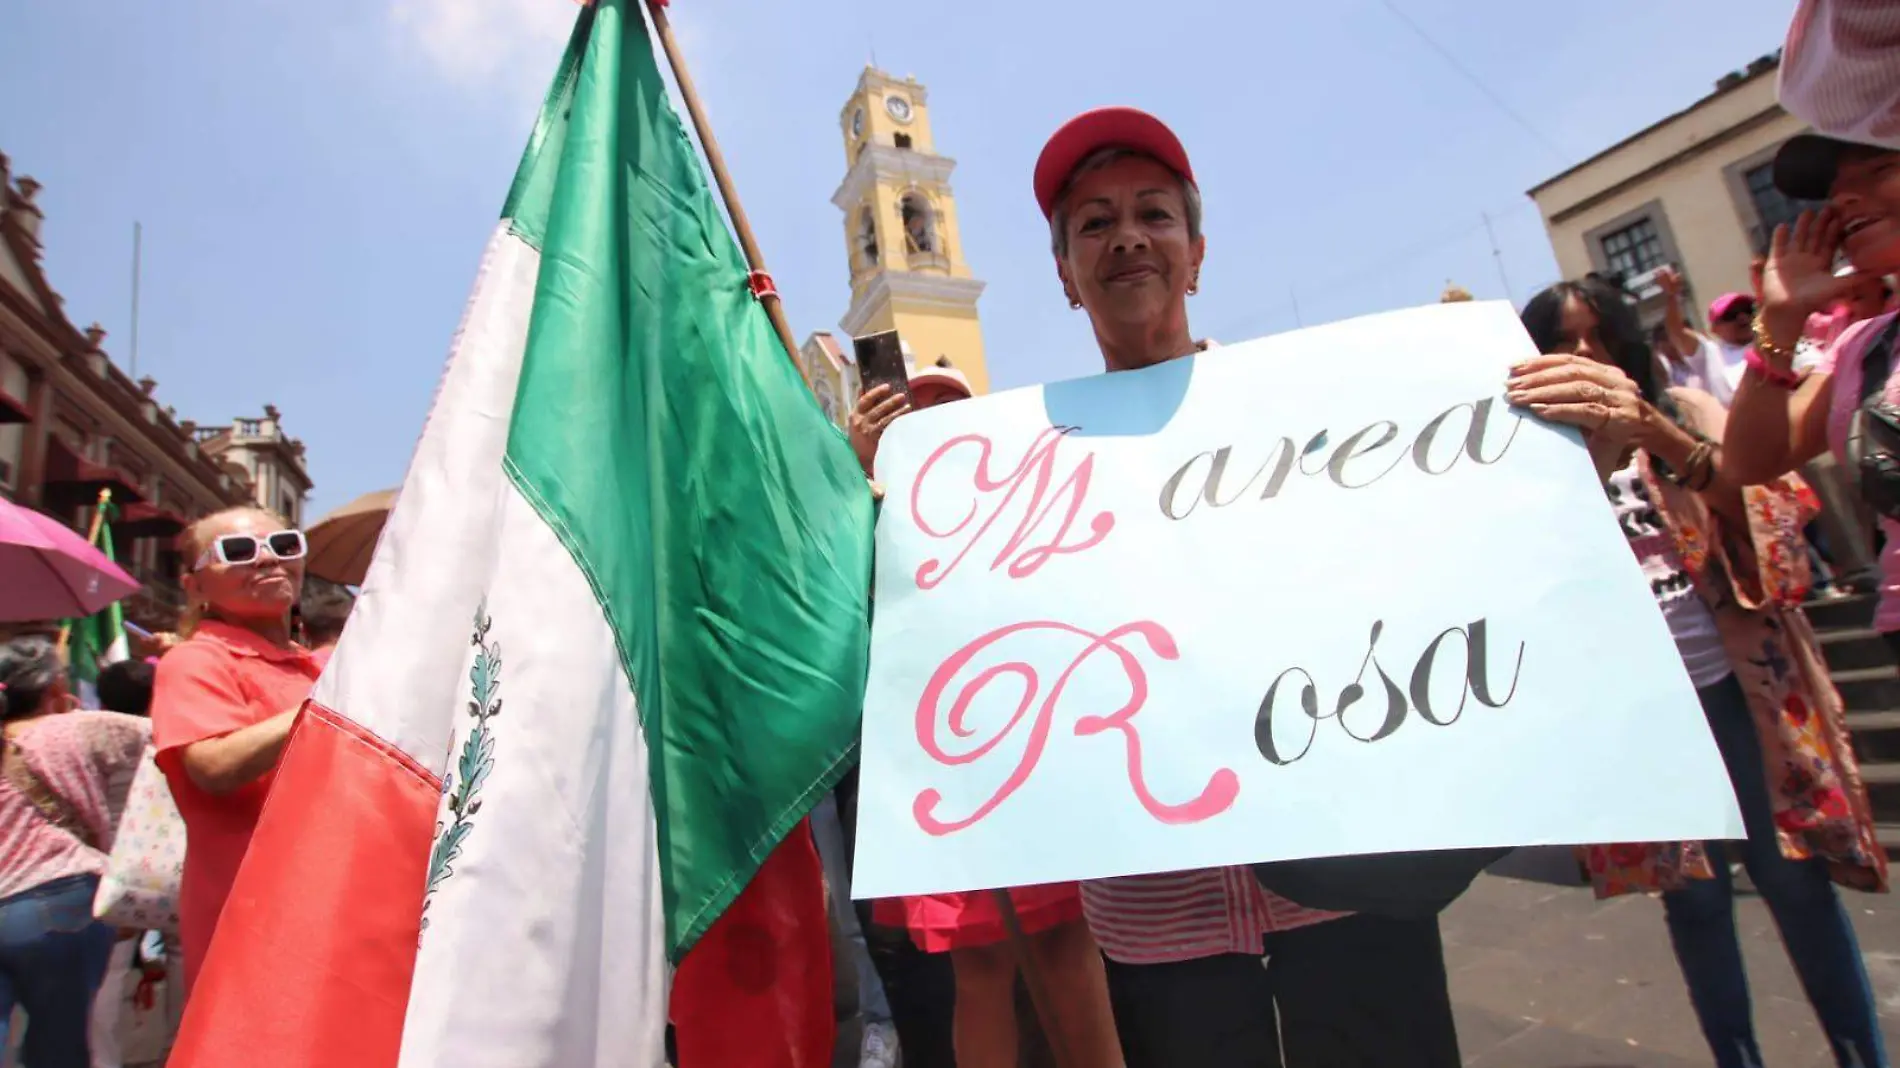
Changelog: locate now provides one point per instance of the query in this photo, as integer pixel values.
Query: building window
(12, 443)
(13, 383)
(1772, 207)
(903, 140)
(1633, 249)
(250, 427)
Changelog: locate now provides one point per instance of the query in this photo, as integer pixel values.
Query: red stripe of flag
(315, 949)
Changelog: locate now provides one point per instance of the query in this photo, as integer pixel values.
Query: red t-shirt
(224, 679)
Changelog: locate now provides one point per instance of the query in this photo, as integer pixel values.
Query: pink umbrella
(49, 572)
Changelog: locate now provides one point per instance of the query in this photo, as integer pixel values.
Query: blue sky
(315, 180)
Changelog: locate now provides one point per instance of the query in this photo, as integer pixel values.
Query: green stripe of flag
(662, 432)
(91, 639)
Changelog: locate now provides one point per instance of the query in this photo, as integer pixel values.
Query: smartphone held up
(881, 363)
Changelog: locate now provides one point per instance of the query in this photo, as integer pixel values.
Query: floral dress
(1753, 578)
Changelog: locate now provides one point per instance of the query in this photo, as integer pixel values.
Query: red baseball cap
(1091, 131)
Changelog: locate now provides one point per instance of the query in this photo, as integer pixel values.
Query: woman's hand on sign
(876, 410)
(1599, 399)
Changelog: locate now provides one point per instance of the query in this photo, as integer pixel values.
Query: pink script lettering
(1219, 793)
(1037, 471)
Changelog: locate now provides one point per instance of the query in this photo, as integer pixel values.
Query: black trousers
(1359, 992)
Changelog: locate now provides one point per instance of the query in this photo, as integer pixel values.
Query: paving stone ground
(1543, 975)
(1546, 976)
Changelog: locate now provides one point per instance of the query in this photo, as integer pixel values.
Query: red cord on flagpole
(755, 259)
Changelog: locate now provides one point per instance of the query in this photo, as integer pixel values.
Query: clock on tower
(900, 227)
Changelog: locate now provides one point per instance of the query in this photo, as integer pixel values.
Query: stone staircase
(1863, 670)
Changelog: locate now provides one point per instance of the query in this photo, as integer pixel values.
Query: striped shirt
(1838, 70)
(1187, 915)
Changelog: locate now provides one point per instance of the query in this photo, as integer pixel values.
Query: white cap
(943, 376)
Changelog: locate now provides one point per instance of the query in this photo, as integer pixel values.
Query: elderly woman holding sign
(1185, 948)
(1729, 573)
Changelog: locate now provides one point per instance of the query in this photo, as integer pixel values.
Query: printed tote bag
(139, 889)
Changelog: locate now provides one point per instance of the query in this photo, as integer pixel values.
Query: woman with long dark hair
(1728, 571)
(59, 770)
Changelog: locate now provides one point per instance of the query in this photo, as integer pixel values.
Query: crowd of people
(1751, 463)
(1698, 437)
(214, 703)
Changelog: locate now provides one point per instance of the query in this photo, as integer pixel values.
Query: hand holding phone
(881, 363)
(878, 407)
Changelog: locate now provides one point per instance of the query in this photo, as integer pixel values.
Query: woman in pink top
(225, 700)
(1782, 419)
(59, 774)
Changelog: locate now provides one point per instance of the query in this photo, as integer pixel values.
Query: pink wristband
(1774, 376)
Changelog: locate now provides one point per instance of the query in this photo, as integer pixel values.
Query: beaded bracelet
(1698, 469)
(1769, 373)
(1706, 471)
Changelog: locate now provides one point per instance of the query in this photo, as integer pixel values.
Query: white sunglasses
(241, 549)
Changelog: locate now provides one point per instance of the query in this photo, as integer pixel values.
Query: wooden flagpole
(1033, 978)
(92, 538)
(775, 310)
(768, 296)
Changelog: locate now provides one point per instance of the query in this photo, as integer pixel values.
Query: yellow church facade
(902, 240)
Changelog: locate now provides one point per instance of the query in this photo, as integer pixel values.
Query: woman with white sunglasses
(225, 699)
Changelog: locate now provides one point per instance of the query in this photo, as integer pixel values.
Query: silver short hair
(1095, 161)
(29, 667)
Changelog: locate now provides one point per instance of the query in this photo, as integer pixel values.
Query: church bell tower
(900, 229)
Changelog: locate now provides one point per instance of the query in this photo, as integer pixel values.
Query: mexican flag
(98, 639)
(609, 653)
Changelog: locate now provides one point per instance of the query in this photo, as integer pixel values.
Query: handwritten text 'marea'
(1355, 463)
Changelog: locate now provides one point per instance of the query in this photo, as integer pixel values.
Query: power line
(1243, 328)
(1411, 251)
(1478, 83)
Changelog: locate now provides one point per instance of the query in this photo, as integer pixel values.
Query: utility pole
(1498, 255)
(137, 236)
